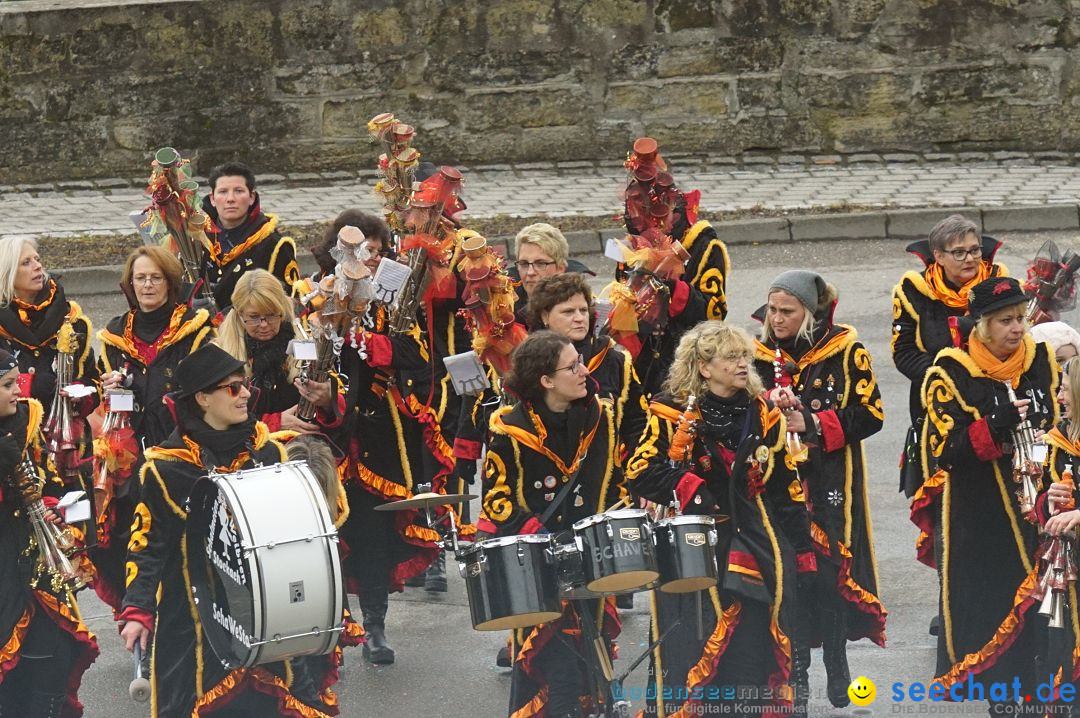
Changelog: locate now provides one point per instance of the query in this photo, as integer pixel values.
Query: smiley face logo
(862, 691)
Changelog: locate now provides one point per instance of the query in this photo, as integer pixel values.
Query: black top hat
(204, 368)
(992, 294)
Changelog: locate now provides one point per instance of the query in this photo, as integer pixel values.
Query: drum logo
(632, 534)
(222, 544)
(695, 539)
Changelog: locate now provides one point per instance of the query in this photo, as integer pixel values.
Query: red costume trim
(982, 441)
(680, 296)
(806, 562)
(686, 488)
(379, 349)
(832, 434)
(467, 449)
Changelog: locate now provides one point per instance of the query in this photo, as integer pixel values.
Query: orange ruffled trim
(1006, 634)
(264, 682)
(382, 487)
(9, 653)
(704, 670)
(850, 590)
(533, 708)
(922, 515)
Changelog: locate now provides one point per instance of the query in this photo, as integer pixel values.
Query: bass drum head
(221, 578)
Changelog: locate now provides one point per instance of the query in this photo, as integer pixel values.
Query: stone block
(525, 107)
(917, 223)
(700, 99)
(870, 225)
(583, 242)
(753, 231)
(1051, 216)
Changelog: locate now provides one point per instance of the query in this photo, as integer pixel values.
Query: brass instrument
(318, 370)
(55, 546)
(63, 432)
(1027, 473)
(427, 244)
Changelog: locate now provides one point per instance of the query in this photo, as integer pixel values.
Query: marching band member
(559, 431)
(33, 308)
(735, 465)
(974, 440)
(1063, 340)
(46, 646)
(955, 259)
(215, 431)
(564, 304)
(257, 332)
(242, 237)
(540, 251)
(140, 350)
(835, 406)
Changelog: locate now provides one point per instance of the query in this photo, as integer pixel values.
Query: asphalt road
(444, 668)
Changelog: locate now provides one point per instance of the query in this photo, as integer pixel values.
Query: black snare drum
(510, 582)
(617, 552)
(686, 553)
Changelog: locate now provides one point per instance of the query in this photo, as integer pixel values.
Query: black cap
(204, 369)
(990, 295)
(7, 362)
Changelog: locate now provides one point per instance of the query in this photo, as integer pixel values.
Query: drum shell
(294, 584)
(510, 583)
(686, 553)
(617, 551)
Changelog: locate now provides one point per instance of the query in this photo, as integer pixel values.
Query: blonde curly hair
(697, 347)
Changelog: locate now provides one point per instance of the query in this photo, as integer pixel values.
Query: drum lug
(610, 531)
(713, 538)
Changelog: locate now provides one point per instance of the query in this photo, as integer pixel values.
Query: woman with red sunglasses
(215, 431)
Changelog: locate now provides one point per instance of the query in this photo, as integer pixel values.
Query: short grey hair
(950, 229)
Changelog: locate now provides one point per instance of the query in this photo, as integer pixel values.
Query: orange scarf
(1008, 370)
(955, 298)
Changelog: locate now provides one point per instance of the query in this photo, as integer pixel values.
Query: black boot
(838, 676)
(800, 676)
(435, 580)
(502, 659)
(376, 649)
(46, 705)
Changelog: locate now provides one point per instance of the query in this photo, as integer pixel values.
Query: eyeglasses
(961, 254)
(256, 320)
(574, 368)
(233, 387)
(150, 279)
(539, 265)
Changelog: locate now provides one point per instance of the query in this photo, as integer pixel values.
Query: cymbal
(426, 500)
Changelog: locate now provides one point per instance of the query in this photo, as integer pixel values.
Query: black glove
(465, 470)
(1003, 419)
(10, 455)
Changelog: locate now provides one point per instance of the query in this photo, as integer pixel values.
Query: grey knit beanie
(806, 286)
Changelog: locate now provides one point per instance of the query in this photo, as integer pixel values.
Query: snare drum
(617, 551)
(686, 553)
(510, 582)
(265, 570)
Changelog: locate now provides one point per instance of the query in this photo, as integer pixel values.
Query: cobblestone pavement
(585, 188)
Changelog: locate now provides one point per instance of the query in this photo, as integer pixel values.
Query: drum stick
(139, 689)
(624, 501)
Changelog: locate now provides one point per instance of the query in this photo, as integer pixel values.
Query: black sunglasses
(234, 387)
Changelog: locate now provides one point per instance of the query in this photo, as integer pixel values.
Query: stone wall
(90, 87)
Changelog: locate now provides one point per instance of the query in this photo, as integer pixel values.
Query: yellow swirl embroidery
(497, 503)
(942, 423)
(140, 525)
(865, 387)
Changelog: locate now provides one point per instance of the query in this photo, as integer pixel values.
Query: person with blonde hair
(822, 376)
(540, 251)
(985, 546)
(734, 464)
(140, 350)
(257, 332)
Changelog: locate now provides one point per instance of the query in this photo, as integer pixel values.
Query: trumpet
(63, 432)
(55, 546)
(1027, 473)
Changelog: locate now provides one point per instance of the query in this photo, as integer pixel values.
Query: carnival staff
(821, 375)
(970, 441)
(140, 350)
(558, 432)
(257, 332)
(242, 237)
(47, 647)
(215, 431)
(736, 465)
(955, 259)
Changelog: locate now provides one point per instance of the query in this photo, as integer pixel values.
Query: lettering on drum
(695, 539)
(231, 625)
(616, 550)
(222, 545)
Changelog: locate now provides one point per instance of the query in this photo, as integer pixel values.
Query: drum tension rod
(307, 539)
(313, 632)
